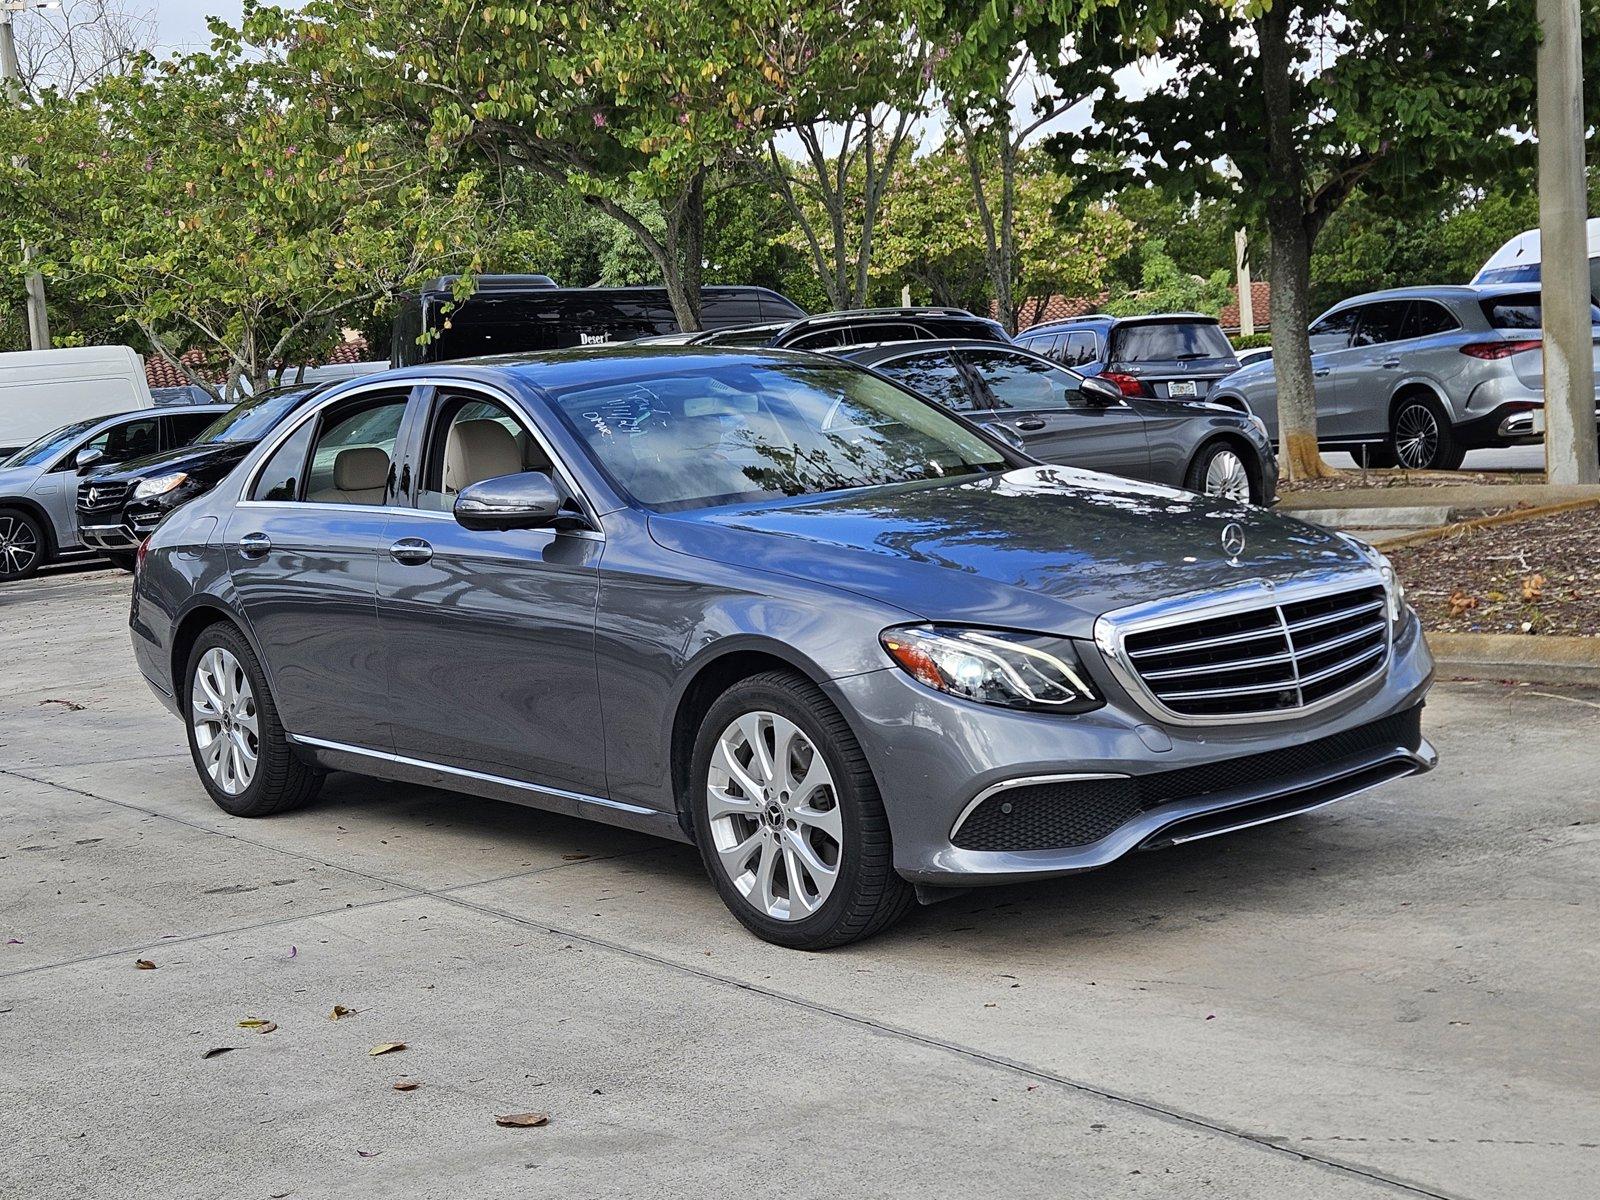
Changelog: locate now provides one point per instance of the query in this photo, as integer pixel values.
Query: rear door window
(1334, 330)
(1427, 318)
(1380, 323)
(935, 375)
(1169, 341)
(1079, 348)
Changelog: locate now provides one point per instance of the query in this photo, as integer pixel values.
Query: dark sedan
(1061, 417)
(848, 644)
(119, 507)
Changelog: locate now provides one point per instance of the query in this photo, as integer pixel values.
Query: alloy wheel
(222, 710)
(1416, 436)
(19, 547)
(1227, 478)
(774, 816)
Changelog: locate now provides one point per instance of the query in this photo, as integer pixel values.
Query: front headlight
(1014, 670)
(1392, 587)
(1259, 426)
(159, 486)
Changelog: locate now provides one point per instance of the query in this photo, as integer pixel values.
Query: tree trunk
(1291, 349)
(684, 264)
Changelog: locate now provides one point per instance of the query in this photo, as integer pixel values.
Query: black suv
(1173, 356)
(118, 508)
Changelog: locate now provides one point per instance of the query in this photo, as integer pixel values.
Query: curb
(1505, 518)
(1527, 657)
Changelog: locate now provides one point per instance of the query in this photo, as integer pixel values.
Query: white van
(41, 390)
(1518, 260)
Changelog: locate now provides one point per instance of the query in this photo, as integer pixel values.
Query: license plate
(1181, 387)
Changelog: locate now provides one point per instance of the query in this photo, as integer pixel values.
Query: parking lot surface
(1393, 997)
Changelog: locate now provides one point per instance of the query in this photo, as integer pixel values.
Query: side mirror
(1098, 391)
(87, 457)
(525, 501)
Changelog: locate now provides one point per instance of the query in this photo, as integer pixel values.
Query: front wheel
(788, 818)
(1423, 438)
(1219, 470)
(239, 746)
(21, 545)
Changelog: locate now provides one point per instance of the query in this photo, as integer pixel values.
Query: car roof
(615, 362)
(883, 351)
(1439, 291)
(1106, 320)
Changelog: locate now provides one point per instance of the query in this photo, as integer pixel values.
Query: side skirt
(336, 756)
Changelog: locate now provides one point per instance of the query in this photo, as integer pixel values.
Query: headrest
(360, 469)
(479, 450)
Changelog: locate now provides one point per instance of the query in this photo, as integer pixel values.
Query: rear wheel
(238, 744)
(1422, 437)
(21, 545)
(1219, 470)
(788, 817)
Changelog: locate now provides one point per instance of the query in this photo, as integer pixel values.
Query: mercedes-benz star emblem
(1233, 541)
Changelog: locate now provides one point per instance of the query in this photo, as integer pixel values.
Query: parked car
(1419, 376)
(872, 326)
(516, 314)
(1061, 417)
(42, 390)
(117, 509)
(1173, 356)
(847, 643)
(39, 483)
(1518, 260)
(1254, 355)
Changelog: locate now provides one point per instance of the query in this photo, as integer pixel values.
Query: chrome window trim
(292, 426)
(1006, 785)
(1112, 629)
(428, 765)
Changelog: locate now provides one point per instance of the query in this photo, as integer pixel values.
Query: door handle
(1029, 424)
(1323, 372)
(411, 552)
(254, 545)
(1390, 364)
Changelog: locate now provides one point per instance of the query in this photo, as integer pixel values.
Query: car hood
(1047, 548)
(183, 458)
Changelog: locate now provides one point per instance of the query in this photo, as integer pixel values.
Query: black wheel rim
(19, 547)
(1416, 436)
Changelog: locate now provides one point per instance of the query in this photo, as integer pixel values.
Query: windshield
(253, 419)
(1171, 341)
(754, 431)
(37, 454)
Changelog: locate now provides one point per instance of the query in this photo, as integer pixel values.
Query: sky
(181, 24)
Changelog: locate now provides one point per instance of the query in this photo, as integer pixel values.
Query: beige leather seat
(479, 450)
(360, 476)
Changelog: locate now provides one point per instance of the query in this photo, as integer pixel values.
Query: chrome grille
(1262, 657)
(96, 496)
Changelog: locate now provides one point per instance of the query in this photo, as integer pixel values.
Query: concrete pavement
(1395, 997)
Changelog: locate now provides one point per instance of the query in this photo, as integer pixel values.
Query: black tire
(1421, 437)
(1195, 478)
(282, 780)
(122, 560)
(868, 896)
(22, 545)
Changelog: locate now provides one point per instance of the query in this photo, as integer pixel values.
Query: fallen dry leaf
(528, 1120)
(69, 705)
(144, 964)
(340, 1010)
(258, 1024)
(1460, 602)
(1533, 588)
(574, 857)
(387, 1047)
(405, 1085)
(216, 1050)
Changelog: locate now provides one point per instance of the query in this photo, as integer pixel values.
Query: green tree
(1165, 287)
(198, 209)
(1287, 110)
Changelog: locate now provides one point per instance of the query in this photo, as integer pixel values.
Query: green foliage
(197, 207)
(1164, 287)
(1251, 341)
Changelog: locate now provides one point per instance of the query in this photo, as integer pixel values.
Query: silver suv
(1416, 377)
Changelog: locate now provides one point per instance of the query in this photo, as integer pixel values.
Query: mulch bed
(1539, 576)
(1344, 481)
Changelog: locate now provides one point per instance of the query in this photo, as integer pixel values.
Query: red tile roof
(1260, 300)
(161, 373)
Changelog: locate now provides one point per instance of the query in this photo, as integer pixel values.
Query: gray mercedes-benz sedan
(851, 646)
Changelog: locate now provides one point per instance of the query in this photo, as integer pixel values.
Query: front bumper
(108, 537)
(940, 762)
